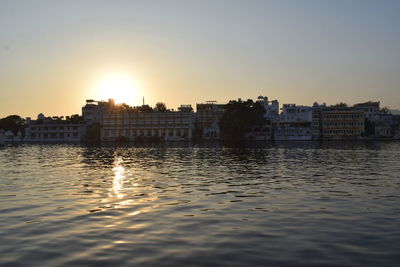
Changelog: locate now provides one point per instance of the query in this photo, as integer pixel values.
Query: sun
(121, 87)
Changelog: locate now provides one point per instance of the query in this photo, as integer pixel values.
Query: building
(294, 123)
(260, 133)
(342, 123)
(396, 127)
(10, 137)
(385, 126)
(53, 129)
(93, 111)
(371, 109)
(207, 119)
(271, 108)
(133, 125)
(316, 125)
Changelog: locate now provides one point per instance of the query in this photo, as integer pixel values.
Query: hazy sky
(54, 54)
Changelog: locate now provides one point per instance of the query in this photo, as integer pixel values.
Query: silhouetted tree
(122, 107)
(160, 107)
(75, 118)
(145, 108)
(340, 105)
(13, 123)
(239, 117)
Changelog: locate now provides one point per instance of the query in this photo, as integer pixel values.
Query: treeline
(239, 118)
(159, 107)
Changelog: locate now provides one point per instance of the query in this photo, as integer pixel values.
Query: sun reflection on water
(119, 177)
(125, 192)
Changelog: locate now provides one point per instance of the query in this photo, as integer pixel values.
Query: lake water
(286, 204)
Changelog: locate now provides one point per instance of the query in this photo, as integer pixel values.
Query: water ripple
(300, 204)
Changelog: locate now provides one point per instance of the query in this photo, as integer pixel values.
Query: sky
(56, 54)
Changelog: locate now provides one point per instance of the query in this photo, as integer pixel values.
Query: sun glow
(119, 86)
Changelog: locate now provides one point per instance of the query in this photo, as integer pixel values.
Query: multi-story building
(384, 126)
(208, 116)
(53, 129)
(371, 109)
(396, 127)
(316, 125)
(271, 108)
(342, 123)
(261, 133)
(132, 125)
(93, 111)
(295, 123)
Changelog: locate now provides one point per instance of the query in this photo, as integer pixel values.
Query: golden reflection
(119, 177)
(127, 192)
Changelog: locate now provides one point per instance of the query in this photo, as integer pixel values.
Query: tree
(75, 119)
(13, 123)
(145, 108)
(340, 105)
(122, 107)
(239, 117)
(160, 107)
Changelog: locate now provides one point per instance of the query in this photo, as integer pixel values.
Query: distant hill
(395, 111)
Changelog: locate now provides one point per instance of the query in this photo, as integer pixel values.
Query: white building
(271, 108)
(56, 129)
(384, 126)
(371, 110)
(294, 123)
(293, 113)
(211, 132)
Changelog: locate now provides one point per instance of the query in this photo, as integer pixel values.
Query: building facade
(47, 129)
(271, 108)
(316, 125)
(338, 124)
(294, 124)
(93, 111)
(370, 109)
(134, 126)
